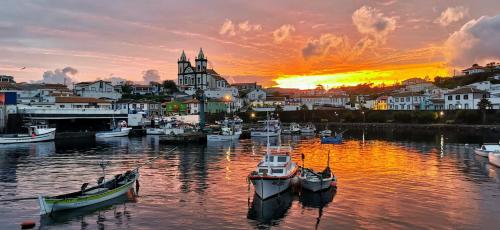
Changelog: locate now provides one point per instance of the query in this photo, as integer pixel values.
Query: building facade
(464, 98)
(198, 76)
(97, 89)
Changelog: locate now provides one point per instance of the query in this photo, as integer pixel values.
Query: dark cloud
(323, 45)
(61, 76)
(151, 75)
(476, 42)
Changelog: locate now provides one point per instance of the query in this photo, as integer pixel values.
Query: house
(256, 95)
(175, 107)
(434, 104)
(74, 102)
(198, 76)
(131, 106)
(381, 103)
(312, 101)
(464, 98)
(474, 69)
(141, 89)
(407, 101)
(29, 93)
(97, 89)
(7, 79)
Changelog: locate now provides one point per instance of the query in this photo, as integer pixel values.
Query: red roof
(79, 100)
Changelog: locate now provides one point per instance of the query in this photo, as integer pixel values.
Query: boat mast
(267, 132)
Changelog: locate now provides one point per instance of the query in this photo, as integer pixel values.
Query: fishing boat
(271, 128)
(308, 129)
(155, 131)
(103, 191)
(291, 129)
(325, 133)
(36, 133)
(226, 134)
(313, 181)
(120, 130)
(337, 139)
(494, 158)
(487, 148)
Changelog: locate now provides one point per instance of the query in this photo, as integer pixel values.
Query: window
(450, 107)
(396, 107)
(263, 171)
(397, 99)
(408, 107)
(61, 106)
(466, 97)
(450, 98)
(276, 170)
(407, 99)
(270, 158)
(281, 159)
(457, 97)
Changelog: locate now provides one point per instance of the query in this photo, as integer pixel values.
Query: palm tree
(483, 105)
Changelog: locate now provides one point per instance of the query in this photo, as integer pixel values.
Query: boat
(226, 134)
(103, 191)
(308, 129)
(118, 132)
(314, 182)
(485, 149)
(36, 133)
(291, 129)
(155, 131)
(325, 133)
(271, 128)
(337, 139)
(494, 158)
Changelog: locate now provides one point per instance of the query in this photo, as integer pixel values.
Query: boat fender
(137, 186)
(28, 224)
(334, 184)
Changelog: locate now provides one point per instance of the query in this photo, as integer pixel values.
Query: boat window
(276, 170)
(282, 159)
(263, 171)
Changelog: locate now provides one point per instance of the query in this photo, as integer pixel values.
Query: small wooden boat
(337, 139)
(313, 181)
(227, 134)
(308, 129)
(485, 149)
(118, 132)
(494, 158)
(271, 128)
(292, 129)
(105, 190)
(155, 131)
(35, 133)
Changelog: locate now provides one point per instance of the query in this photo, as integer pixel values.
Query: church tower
(201, 62)
(182, 63)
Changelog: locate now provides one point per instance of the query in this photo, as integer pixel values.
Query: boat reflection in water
(38, 149)
(270, 211)
(87, 215)
(317, 200)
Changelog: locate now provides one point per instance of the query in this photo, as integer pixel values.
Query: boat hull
(264, 134)
(266, 188)
(48, 205)
(331, 140)
(155, 131)
(307, 131)
(494, 158)
(28, 139)
(481, 152)
(316, 185)
(223, 137)
(123, 132)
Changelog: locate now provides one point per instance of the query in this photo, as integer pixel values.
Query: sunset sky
(294, 44)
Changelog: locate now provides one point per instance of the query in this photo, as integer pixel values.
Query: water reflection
(318, 200)
(269, 212)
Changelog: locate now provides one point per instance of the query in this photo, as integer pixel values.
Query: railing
(70, 111)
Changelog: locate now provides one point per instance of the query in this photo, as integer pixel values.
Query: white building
(474, 69)
(312, 101)
(97, 89)
(464, 98)
(198, 76)
(32, 93)
(81, 103)
(256, 95)
(407, 101)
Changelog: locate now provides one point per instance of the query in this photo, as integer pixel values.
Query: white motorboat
(271, 128)
(485, 149)
(494, 158)
(293, 128)
(155, 131)
(227, 134)
(36, 133)
(308, 129)
(118, 132)
(313, 181)
(325, 133)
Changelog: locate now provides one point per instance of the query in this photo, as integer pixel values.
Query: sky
(284, 43)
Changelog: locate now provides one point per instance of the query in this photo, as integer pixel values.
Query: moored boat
(155, 131)
(106, 190)
(314, 181)
(337, 139)
(118, 132)
(494, 158)
(309, 128)
(226, 134)
(291, 129)
(325, 133)
(485, 149)
(36, 133)
(271, 128)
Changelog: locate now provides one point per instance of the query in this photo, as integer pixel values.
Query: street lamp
(363, 113)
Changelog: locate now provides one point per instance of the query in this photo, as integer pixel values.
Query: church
(198, 76)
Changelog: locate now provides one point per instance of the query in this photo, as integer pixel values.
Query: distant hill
(453, 82)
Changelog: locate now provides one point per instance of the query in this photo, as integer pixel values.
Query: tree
(170, 87)
(127, 88)
(278, 108)
(304, 109)
(483, 105)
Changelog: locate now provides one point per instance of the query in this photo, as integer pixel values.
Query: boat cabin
(274, 165)
(490, 147)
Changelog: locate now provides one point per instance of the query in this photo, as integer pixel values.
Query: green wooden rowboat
(105, 190)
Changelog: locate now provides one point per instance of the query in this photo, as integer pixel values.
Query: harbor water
(383, 182)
